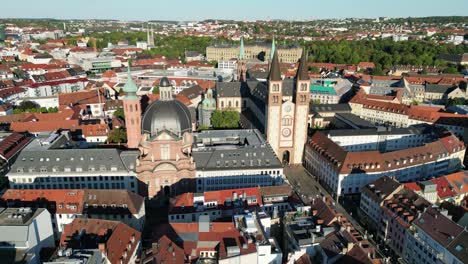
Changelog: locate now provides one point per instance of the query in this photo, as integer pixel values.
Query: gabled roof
(120, 241)
(12, 144)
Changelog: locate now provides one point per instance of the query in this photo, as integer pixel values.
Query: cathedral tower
(301, 102)
(287, 114)
(132, 110)
(275, 100)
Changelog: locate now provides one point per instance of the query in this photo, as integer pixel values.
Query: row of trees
(384, 53)
(32, 107)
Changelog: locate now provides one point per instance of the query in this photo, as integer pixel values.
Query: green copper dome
(209, 102)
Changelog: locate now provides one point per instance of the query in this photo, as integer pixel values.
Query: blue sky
(229, 9)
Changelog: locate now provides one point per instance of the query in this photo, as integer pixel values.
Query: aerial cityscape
(257, 132)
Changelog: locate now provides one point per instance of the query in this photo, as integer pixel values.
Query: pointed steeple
(130, 88)
(147, 35)
(273, 49)
(275, 71)
(152, 35)
(302, 70)
(242, 49)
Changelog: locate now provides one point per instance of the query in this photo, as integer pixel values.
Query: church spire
(147, 35)
(302, 69)
(273, 49)
(242, 49)
(130, 88)
(275, 71)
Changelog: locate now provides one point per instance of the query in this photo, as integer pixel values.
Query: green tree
(225, 119)
(203, 127)
(156, 89)
(27, 105)
(118, 135)
(52, 110)
(450, 70)
(120, 113)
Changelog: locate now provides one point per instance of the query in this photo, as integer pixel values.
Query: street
(307, 188)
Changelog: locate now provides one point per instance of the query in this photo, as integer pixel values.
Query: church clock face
(286, 132)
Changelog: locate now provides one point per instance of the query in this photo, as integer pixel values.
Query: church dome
(170, 115)
(164, 82)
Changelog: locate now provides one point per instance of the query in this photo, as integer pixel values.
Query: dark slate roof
(438, 227)
(172, 116)
(229, 149)
(437, 88)
(192, 92)
(255, 75)
(275, 71)
(459, 247)
(337, 108)
(75, 158)
(381, 188)
(228, 89)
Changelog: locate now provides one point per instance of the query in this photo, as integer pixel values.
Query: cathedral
(280, 106)
(164, 137)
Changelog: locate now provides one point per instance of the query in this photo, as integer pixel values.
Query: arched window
(304, 87)
(222, 104)
(237, 103)
(229, 104)
(131, 108)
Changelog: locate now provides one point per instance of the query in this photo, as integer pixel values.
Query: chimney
(102, 248)
(350, 246)
(348, 228)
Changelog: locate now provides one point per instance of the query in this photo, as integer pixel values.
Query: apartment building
(345, 172)
(66, 205)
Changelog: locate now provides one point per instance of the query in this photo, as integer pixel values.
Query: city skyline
(242, 10)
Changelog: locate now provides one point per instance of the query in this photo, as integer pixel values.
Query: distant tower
(241, 64)
(150, 36)
(132, 110)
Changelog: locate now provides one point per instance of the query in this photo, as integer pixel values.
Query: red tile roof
(52, 83)
(81, 98)
(65, 201)
(459, 182)
(120, 241)
(11, 91)
(12, 144)
(443, 187)
(94, 130)
(373, 161)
